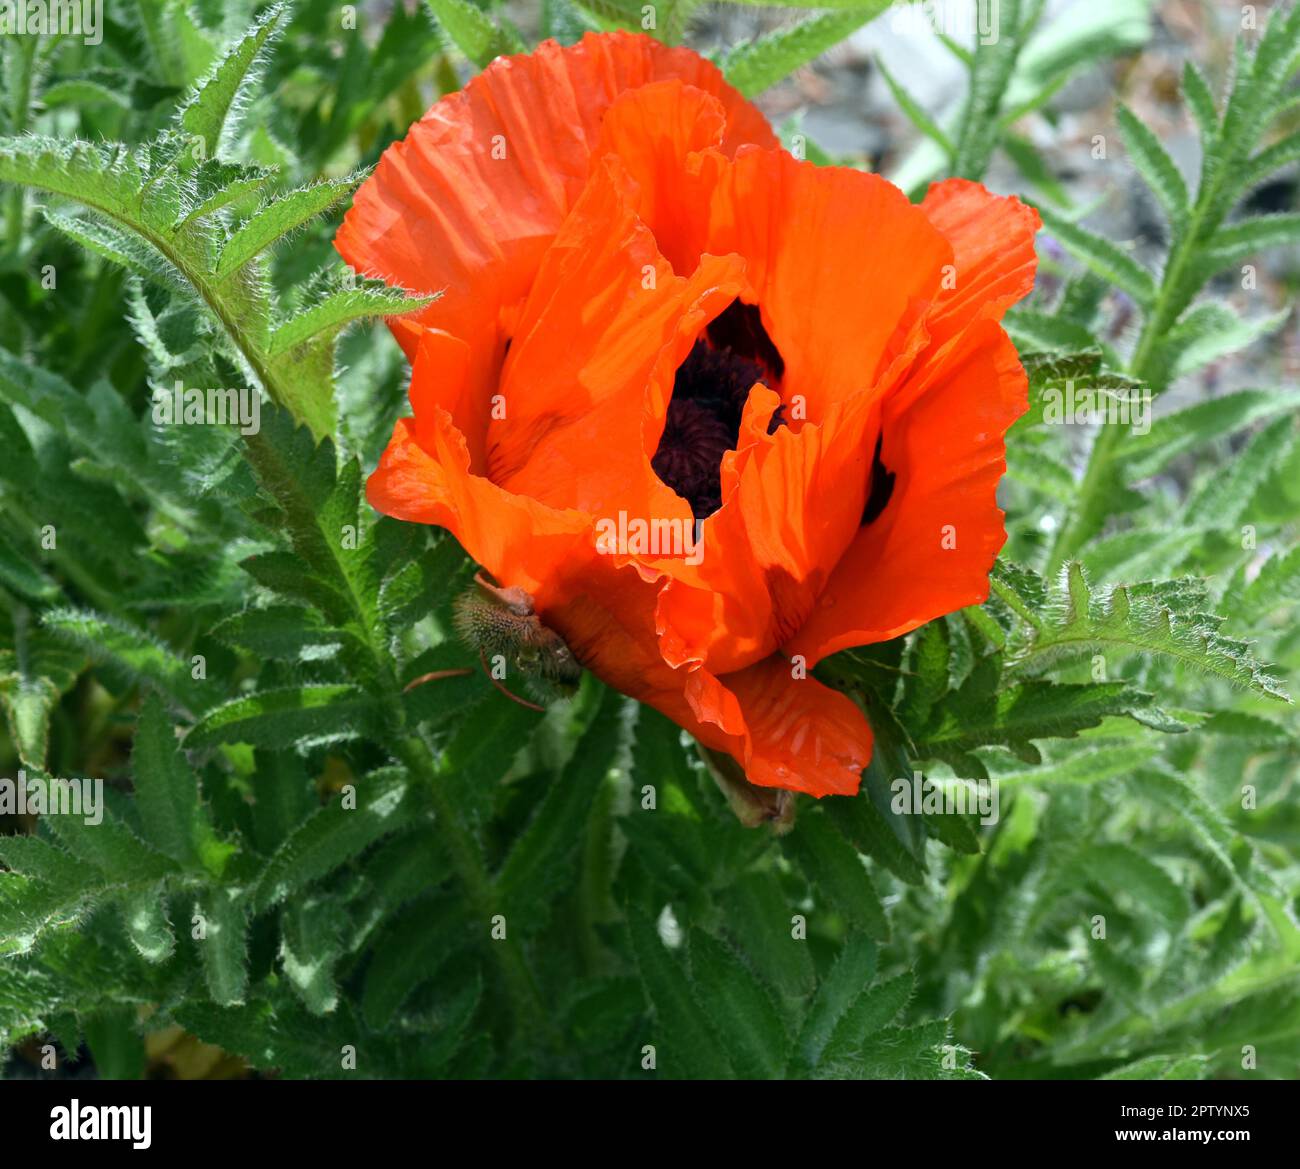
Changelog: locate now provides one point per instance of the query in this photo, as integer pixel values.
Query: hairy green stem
(1075, 532)
(1013, 601)
(186, 250)
(1170, 301)
(19, 118)
(467, 863)
(183, 249)
(462, 848)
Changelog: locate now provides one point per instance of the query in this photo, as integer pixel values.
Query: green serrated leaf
(140, 655)
(274, 220)
(754, 66)
(167, 796)
(33, 676)
(744, 1017)
(848, 979)
(331, 315)
(333, 835)
(837, 874)
(866, 829)
(1277, 584)
(311, 944)
(283, 632)
(215, 100)
(1249, 237)
(760, 916)
(147, 925)
(223, 943)
(473, 31)
(1154, 164)
(1222, 501)
(274, 718)
(990, 75)
(1200, 99)
(1108, 260)
(1121, 869)
(1198, 425)
(681, 1036)
(408, 954)
(1209, 332)
(109, 845)
(870, 1012)
(1137, 619)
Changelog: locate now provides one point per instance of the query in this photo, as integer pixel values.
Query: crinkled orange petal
(994, 260)
(469, 200)
(605, 311)
(654, 130)
(929, 552)
(800, 735)
(838, 261)
(842, 268)
(424, 477)
(771, 547)
(784, 731)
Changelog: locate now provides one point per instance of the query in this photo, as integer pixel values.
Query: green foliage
(473, 32)
(1104, 258)
(754, 66)
(174, 194)
(216, 99)
(1164, 618)
(990, 74)
(1018, 62)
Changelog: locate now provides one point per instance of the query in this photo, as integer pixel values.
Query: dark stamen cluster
(709, 395)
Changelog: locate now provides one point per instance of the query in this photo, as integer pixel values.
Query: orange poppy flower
(655, 321)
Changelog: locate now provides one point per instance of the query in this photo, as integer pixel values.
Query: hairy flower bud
(502, 623)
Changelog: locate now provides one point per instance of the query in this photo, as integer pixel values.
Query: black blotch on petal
(881, 489)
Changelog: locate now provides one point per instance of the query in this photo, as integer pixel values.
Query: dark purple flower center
(709, 395)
